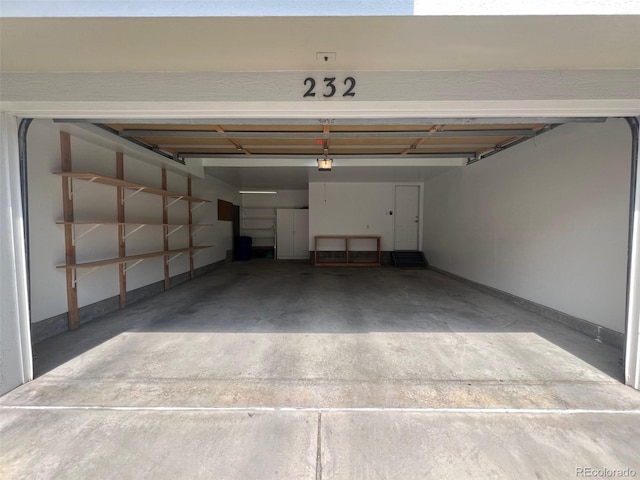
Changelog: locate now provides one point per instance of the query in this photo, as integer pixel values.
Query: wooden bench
(348, 261)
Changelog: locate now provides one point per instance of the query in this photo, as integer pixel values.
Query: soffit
(290, 44)
(298, 178)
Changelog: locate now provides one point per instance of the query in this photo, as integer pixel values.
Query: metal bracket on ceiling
(471, 159)
(101, 125)
(500, 148)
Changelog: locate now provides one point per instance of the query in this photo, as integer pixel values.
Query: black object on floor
(242, 248)
(409, 259)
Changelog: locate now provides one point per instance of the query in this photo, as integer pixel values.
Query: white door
(407, 217)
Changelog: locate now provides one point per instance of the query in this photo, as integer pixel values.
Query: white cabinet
(292, 233)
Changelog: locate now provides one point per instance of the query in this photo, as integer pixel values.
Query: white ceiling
(277, 43)
(297, 178)
(284, 156)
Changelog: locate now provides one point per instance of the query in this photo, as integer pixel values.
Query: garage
(131, 187)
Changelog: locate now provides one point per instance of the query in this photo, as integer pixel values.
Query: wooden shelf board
(131, 258)
(342, 237)
(115, 182)
(136, 223)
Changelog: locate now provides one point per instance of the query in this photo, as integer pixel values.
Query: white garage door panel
(15, 341)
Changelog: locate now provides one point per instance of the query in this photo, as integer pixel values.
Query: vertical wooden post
(191, 272)
(165, 229)
(122, 249)
(70, 249)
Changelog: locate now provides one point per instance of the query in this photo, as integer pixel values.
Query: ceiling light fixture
(257, 191)
(324, 164)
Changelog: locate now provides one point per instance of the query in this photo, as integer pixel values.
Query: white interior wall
(220, 234)
(46, 239)
(282, 199)
(353, 209)
(546, 220)
(98, 202)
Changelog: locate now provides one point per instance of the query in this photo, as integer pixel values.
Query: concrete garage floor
(266, 370)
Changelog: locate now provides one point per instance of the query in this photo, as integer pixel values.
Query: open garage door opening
(524, 224)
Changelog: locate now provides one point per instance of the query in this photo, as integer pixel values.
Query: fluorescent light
(256, 191)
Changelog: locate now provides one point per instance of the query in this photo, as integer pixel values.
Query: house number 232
(330, 87)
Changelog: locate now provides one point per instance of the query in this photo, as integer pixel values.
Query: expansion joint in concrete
(329, 410)
(319, 449)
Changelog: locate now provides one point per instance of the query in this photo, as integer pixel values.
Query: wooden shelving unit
(138, 226)
(152, 224)
(116, 182)
(125, 191)
(133, 258)
(260, 225)
(348, 261)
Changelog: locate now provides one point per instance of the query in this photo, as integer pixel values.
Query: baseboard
(592, 330)
(58, 324)
(49, 327)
